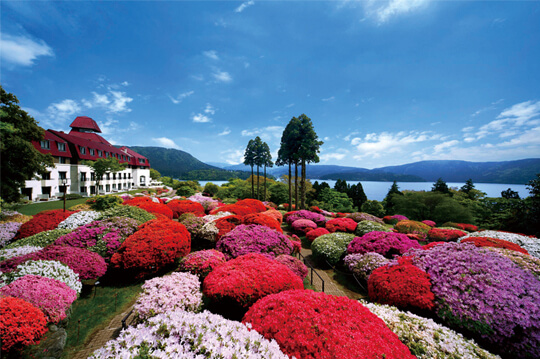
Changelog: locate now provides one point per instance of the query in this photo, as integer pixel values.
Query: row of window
(45, 144)
(107, 176)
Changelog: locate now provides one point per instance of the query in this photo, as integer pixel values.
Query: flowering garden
(222, 281)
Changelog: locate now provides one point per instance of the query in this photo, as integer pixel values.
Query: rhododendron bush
(155, 245)
(493, 242)
(394, 219)
(17, 251)
(361, 216)
(79, 219)
(8, 231)
(303, 226)
(226, 224)
(294, 264)
(341, 225)
(181, 334)
(254, 238)
(364, 227)
(136, 213)
(402, 285)
(50, 295)
(412, 227)
(524, 261)
(446, 235)
(180, 207)
(291, 217)
(21, 324)
(246, 279)
(42, 239)
(152, 207)
(314, 233)
(362, 265)
(530, 244)
(331, 247)
(43, 221)
(463, 226)
(263, 220)
(387, 244)
(202, 263)
(308, 324)
(164, 294)
(274, 214)
(429, 223)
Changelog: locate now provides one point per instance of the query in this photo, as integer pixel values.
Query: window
(129, 158)
(92, 176)
(114, 176)
(46, 176)
(61, 160)
(92, 152)
(100, 153)
(129, 175)
(107, 188)
(61, 146)
(124, 176)
(45, 144)
(83, 176)
(82, 150)
(114, 186)
(106, 154)
(62, 175)
(142, 160)
(83, 189)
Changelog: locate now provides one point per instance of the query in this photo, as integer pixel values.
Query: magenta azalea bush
(254, 238)
(362, 265)
(294, 264)
(486, 293)
(303, 225)
(171, 292)
(52, 296)
(48, 269)
(202, 263)
(387, 244)
(318, 218)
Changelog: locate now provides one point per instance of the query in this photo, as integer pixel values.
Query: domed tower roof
(85, 124)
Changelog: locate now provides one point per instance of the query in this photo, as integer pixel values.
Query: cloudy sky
(385, 82)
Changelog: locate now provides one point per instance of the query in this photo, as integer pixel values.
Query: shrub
(331, 247)
(209, 232)
(102, 203)
(314, 233)
(248, 278)
(307, 324)
(402, 285)
(193, 225)
(364, 227)
(254, 239)
(227, 224)
(462, 226)
(155, 245)
(263, 220)
(429, 223)
(373, 207)
(530, 244)
(294, 264)
(43, 221)
(425, 338)
(431, 245)
(319, 219)
(21, 324)
(52, 296)
(445, 235)
(394, 219)
(254, 204)
(275, 214)
(181, 334)
(180, 207)
(412, 227)
(524, 261)
(346, 225)
(8, 253)
(303, 226)
(362, 265)
(236, 208)
(42, 239)
(8, 230)
(176, 291)
(202, 263)
(79, 219)
(361, 216)
(387, 244)
(154, 208)
(136, 213)
(493, 242)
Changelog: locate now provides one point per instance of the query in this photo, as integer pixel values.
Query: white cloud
(336, 156)
(119, 102)
(467, 129)
(445, 145)
(384, 10)
(376, 145)
(108, 127)
(225, 132)
(211, 54)
(233, 156)
(331, 98)
(60, 112)
(166, 142)
(200, 118)
(112, 102)
(23, 51)
(222, 76)
(181, 97)
(244, 5)
(209, 109)
(520, 113)
(269, 134)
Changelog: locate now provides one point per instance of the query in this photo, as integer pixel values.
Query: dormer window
(82, 150)
(45, 144)
(100, 153)
(91, 151)
(61, 146)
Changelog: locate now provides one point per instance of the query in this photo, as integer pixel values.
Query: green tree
(19, 159)
(440, 186)
(334, 201)
(534, 205)
(509, 194)
(211, 188)
(308, 152)
(249, 160)
(373, 207)
(103, 166)
(267, 162)
(341, 186)
(288, 152)
(357, 195)
(154, 174)
(278, 192)
(388, 200)
(258, 148)
(467, 187)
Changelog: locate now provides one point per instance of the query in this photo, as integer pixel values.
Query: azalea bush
(317, 232)
(8, 230)
(79, 219)
(226, 224)
(244, 280)
(6, 254)
(331, 247)
(387, 244)
(101, 203)
(294, 264)
(201, 263)
(318, 218)
(21, 324)
(194, 225)
(155, 245)
(209, 232)
(362, 216)
(412, 227)
(136, 213)
(152, 207)
(52, 296)
(364, 227)
(176, 291)
(43, 221)
(254, 238)
(303, 226)
(275, 214)
(263, 220)
(207, 202)
(42, 239)
(346, 225)
(463, 226)
(362, 265)
(530, 244)
(403, 285)
(445, 235)
(181, 334)
(180, 207)
(429, 223)
(493, 242)
(425, 338)
(308, 324)
(394, 219)
(524, 261)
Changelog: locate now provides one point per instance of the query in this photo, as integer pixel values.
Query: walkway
(330, 286)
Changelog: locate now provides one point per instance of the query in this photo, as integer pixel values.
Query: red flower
(226, 224)
(347, 225)
(263, 220)
(446, 235)
(314, 233)
(43, 221)
(21, 323)
(185, 206)
(494, 242)
(150, 206)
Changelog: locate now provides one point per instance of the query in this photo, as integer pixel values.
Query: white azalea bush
(180, 334)
(213, 217)
(42, 239)
(331, 247)
(48, 269)
(6, 254)
(531, 244)
(425, 338)
(168, 293)
(364, 227)
(79, 219)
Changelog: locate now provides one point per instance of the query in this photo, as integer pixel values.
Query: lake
(378, 190)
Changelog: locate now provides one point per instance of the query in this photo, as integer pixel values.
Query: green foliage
(154, 174)
(357, 194)
(389, 200)
(508, 194)
(211, 188)
(19, 159)
(104, 165)
(73, 196)
(331, 247)
(42, 239)
(235, 188)
(440, 186)
(136, 213)
(533, 214)
(186, 188)
(373, 207)
(279, 192)
(102, 203)
(341, 186)
(468, 186)
(334, 201)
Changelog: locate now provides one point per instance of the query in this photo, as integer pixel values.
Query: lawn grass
(34, 208)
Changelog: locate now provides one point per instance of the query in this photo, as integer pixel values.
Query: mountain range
(182, 165)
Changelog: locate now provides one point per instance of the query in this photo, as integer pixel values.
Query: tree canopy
(104, 165)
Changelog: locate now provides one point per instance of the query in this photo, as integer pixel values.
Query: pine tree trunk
(303, 186)
(296, 184)
(258, 191)
(252, 184)
(290, 188)
(264, 196)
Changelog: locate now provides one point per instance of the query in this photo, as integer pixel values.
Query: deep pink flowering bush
(294, 264)
(254, 238)
(318, 218)
(486, 293)
(429, 223)
(202, 263)
(346, 225)
(361, 216)
(524, 261)
(394, 219)
(303, 226)
(52, 296)
(387, 244)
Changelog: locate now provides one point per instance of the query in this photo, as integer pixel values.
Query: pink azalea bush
(202, 263)
(294, 264)
(318, 218)
(387, 244)
(303, 226)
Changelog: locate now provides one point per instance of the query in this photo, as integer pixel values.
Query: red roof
(86, 123)
(89, 136)
(52, 142)
(137, 159)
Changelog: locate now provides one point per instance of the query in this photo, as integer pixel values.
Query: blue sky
(384, 82)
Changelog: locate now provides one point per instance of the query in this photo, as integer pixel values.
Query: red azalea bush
(314, 233)
(429, 223)
(137, 200)
(21, 324)
(431, 245)
(226, 224)
(402, 285)
(155, 245)
(263, 220)
(346, 225)
(494, 242)
(412, 227)
(463, 226)
(155, 208)
(446, 235)
(303, 226)
(234, 208)
(244, 280)
(274, 214)
(43, 221)
(315, 209)
(387, 244)
(308, 324)
(201, 263)
(254, 204)
(180, 207)
(294, 264)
